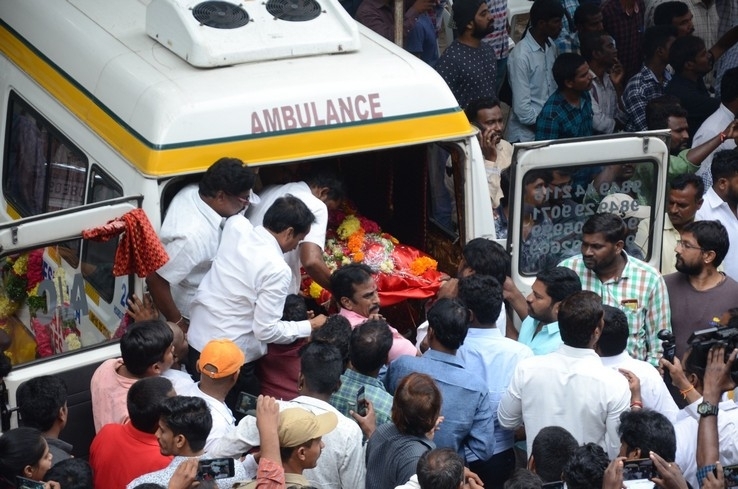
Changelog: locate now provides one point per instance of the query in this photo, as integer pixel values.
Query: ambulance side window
(43, 171)
(98, 257)
(555, 203)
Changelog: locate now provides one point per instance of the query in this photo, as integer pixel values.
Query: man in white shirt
(242, 296)
(721, 202)
(321, 192)
(219, 365)
(588, 397)
(607, 84)
(718, 121)
(191, 233)
(611, 348)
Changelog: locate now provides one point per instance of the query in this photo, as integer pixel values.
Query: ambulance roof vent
(293, 10)
(219, 33)
(220, 15)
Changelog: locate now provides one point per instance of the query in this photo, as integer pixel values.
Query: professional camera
(703, 340)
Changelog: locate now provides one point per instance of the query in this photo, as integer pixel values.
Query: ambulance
(107, 107)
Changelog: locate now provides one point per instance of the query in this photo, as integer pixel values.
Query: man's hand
(617, 73)
(449, 289)
(142, 311)
(436, 427)
(267, 414)
(731, 132)
(488, 140)
(613, 478)
(717, 374)
(670, 475)
(318, 321)
(676, 372)
(367, 423)
(634, 384)
(185, 477)
(471, 480)
(712, 482)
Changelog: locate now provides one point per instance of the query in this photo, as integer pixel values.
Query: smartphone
(640, 468)
(361, 402)
(731, 476)
(24, 483)
(553, 485)
(215, 469)
(246, 403)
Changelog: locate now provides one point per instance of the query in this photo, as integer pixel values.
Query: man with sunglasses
(698, 292)
(191, 232)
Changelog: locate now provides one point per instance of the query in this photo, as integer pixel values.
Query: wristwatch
(707, 409)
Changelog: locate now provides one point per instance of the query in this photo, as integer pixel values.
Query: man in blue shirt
(568, 111)
(468, 425)
(487, 353)
(539, 311)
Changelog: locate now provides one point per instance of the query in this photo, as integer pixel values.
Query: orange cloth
(139, 251)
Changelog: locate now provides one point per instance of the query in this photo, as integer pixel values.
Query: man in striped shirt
(624, 282)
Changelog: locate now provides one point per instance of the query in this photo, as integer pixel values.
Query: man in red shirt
(121, 452)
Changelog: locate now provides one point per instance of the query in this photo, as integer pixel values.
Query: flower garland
(352, 238)
(21, 276)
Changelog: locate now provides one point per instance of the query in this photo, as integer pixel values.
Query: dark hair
(449, 320)
(336, 331)
(321, 366)
(504, 186)
(551, 449)
(579, 316)
(611, 226)
(288, 212)
(565, 68)
(72, 473)
(295, 308)
(487, 258)
(523, 478)
(591, 42)
(681, 181)
(327, 180)
(729, 86)
(39, 401)
(664, 13)
(650, 431)
(6, 366)
(472, 109)
(614, 337)
(560, 282)
(286, 452)
(344, 279)
(711, 236)
(696, 360)
(229, 175)
(724, 164)
(440, 468)
(545, 10)
(189, 417)
(482, 294)
(683, 50)
(586, 467)
(370, 344)
(144, 344)
(20, 447)
(149, 485)
(656, 37)
(585, 11)
(144, 400)
(659, 109)
(534, 174)
(416, 404)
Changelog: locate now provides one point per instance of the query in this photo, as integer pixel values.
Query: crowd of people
(228, 379)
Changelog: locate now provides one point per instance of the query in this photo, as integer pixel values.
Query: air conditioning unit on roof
(215, 33)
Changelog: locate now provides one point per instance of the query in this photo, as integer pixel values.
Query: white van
(116, 105)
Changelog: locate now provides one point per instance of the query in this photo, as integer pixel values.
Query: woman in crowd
(24, 453)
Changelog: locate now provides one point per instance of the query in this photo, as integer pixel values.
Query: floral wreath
(403, 272)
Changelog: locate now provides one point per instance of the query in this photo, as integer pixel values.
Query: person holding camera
(690, 377)
(698, 292)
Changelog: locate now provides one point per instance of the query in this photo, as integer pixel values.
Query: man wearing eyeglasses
(698, 292)
(191, 232)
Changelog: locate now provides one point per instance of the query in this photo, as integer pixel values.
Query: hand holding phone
(246, 403)
(215, 469)
(361, 401)
(640, 468)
